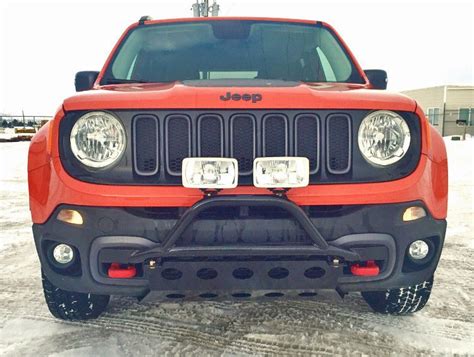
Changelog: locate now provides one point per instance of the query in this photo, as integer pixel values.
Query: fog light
(419, 249)
(209, 172)
(70, 216)
(414, 213)
(63, 253)
(281, 172)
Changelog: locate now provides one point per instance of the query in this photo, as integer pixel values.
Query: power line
(202, 9)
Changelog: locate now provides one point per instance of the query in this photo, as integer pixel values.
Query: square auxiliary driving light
(210, 172)
(281, 172)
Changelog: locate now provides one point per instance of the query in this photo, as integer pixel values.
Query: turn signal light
(70, 216)
(413, 213)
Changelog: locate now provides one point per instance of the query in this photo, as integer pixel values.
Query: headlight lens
(210, 172)
(281, 172)
(98, 139)
(384, 137)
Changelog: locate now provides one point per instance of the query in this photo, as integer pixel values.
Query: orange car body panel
(180, 96)
(50, 185)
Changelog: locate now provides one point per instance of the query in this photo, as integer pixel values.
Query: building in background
(445, 106)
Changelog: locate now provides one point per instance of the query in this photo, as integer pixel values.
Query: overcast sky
(43, 44)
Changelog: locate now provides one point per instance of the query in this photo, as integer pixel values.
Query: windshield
(240, 50)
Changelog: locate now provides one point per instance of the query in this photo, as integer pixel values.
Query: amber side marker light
(70, 216)
(413, 213)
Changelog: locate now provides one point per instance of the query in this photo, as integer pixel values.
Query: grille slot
(275, 135)
(307, 141)
(210, 136)
(243, 142)
(178, 142)
(146, 145)
(339, 143)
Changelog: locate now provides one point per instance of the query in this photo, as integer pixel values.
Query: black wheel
(400, 301)
(67, 305)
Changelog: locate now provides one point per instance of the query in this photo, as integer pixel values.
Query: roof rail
(143, 19)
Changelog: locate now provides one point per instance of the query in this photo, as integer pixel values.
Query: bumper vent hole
(208, 296)
(175, 296)
(278, 273)
(274, 295)
(242, 273)
(206, 273)
(241, 295)
(314, 273)
(171, 274)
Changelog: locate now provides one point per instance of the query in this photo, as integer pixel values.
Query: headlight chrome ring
(384, 137)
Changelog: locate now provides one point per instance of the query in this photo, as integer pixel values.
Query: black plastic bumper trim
(129, 232)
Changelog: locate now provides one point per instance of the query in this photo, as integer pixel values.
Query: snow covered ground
(320, 326)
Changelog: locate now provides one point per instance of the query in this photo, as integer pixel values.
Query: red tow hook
(370, 269)
(118, 271)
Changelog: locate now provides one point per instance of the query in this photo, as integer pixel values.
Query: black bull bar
(168, 248)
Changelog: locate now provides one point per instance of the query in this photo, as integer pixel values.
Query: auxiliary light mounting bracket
(210, 192)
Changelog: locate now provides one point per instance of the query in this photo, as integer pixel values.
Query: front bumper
(237, 245)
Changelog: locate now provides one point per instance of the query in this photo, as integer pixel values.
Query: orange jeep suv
(236, 157)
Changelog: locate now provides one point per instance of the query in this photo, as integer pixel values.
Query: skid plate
(242, 275)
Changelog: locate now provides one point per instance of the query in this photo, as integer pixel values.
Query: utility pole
(202, 9)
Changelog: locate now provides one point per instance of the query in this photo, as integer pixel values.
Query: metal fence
(452, 121)
(10, 121)
(453, 115)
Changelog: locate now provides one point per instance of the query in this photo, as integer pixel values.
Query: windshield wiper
(122, 81)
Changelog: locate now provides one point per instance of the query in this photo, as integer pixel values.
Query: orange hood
(188, 96)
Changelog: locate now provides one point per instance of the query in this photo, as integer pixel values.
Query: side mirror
(377, 78)
(85, 80)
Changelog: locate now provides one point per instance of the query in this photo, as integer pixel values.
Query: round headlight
(384, 137)
(98, 139)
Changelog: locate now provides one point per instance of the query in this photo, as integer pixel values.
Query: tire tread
(67, 305)
(400, 301)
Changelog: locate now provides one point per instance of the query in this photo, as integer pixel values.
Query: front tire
(67, 305)
(400, 301)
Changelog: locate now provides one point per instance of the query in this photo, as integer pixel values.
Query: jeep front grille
(159, 140)
(246, 132)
